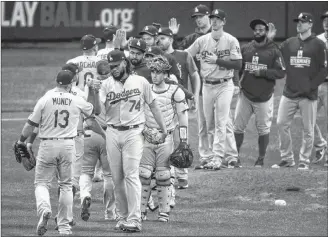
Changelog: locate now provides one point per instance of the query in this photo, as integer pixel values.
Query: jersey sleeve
(85, 107)
(194, 48)
(103, 92)
(148, 93)
(35, 118)
(235, 53)
(180, 101)
(191, 64)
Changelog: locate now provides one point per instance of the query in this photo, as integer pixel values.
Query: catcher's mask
(159, 63)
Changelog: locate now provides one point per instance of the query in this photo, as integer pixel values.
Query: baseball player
(95, 150)
(172, 101)
(304, 56)
(320, 143)
(262, 65)
(125, 97)
(188, 70)
(200, 15)
(220, 56)
(57, 113)
(149, 35)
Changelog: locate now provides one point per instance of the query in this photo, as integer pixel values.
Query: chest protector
(166, 102)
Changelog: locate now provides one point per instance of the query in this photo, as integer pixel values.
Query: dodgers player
(306, 69)
(220, 56)
(320, 143)
(172, 101)
(262, 65)
(125, 97)
(57, 113)
(94, 151)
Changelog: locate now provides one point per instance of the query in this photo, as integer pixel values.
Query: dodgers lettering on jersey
(102, 53)
(226, 48)
(171, 101)
(58, 112)
(125, 103)
(89, 69)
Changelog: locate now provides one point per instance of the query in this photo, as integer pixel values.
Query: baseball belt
(123, 128)
(217, 82)
(56, 138)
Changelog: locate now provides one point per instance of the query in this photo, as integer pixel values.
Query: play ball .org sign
(48, 20)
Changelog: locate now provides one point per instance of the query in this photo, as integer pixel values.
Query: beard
(119, 77)
(259, 39)
(163, 47)
(135, 62)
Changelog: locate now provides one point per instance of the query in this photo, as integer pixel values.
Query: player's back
(88, 64)
(60, 114)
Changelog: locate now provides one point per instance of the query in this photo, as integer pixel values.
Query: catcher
(156, 151)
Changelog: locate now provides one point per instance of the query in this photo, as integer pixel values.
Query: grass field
(230, 202)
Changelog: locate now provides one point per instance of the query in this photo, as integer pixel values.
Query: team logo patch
(146, 28)
(138, 43)
(216, 12)
(110, 58)
(196, 9)
(160, 30)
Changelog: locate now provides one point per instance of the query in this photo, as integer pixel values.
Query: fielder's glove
(182, 156)
(153, 136)
(24, 155)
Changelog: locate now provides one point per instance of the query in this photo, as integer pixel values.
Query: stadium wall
(54, 21)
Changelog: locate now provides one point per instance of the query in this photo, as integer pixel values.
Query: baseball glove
(24, 155)
(152, 135)
(182, 156)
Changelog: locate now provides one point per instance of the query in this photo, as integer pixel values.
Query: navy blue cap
(89, 41)
(65, 77)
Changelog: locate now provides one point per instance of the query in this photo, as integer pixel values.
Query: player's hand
(236, 90)
(163, 136)
(211, 58)
(194, 104)
(29, 147)
(174, 26)
(256, 72)
(124, 40)
(198, 57)
(272, 31)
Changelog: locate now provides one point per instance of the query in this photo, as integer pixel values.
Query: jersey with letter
(226, 48)
(88, 64)
(57, 114)
(77, 92)
(125, 103)
(102, 53)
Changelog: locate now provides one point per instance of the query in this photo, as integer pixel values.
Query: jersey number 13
(65, 117)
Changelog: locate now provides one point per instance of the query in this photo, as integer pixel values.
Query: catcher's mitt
(182, 156)
(24, 155)
(152, 135)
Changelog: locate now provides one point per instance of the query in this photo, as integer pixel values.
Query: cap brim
(324, 16)
(131, 46)
(211, 16)
(197, 14)
(165, 34)
(146, 32)
(297, 20)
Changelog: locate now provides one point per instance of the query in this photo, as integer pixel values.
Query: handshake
(94, 83)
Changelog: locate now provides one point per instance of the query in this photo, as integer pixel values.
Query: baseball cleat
(319, 155)
(163, 217)
(119, 224)
(131, 226)
(98, 177)
(259, 162)
(232, 164)
(85, 214)
(303, 166)
(201, 165)
(183, 184)
(71, 223)
(284, 163)
(43, 223)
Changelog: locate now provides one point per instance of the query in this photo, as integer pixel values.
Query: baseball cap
(259, 22)
(218, 13)
(323, 16)
(115, 57)
(157, 25)
(154, 50)
(72, 67)
(200, 10)
(65, 77)
(88, 41)
(165, 31)
(109, 33)
(304, 17)
(138, 44)
(150, 30)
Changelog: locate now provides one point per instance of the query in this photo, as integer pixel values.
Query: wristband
(183, 133)
(22, 138)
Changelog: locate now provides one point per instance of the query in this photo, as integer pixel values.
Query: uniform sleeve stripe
(32, 123)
